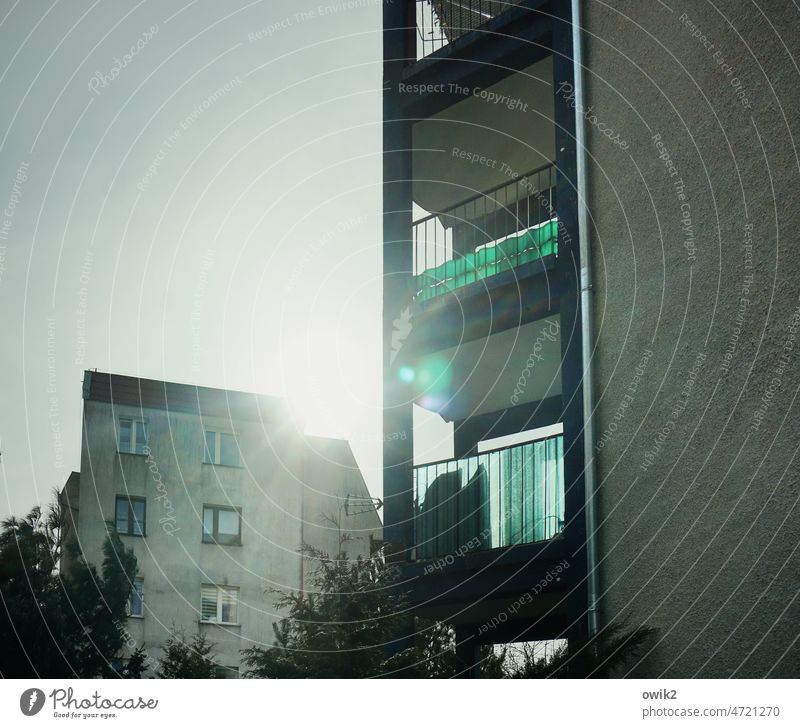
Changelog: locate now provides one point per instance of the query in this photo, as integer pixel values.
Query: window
(130, 515)
(222, 525)
(132, 435)
(221, 448)
(136, 598)
(219, 604)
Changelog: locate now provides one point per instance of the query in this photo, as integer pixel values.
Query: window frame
(220, 589)
(215, 458)
(131, 499)
(140, 580)
(213, 538)
(136, 423)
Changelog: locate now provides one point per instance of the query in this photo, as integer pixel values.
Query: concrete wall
(697, 422)
(269, 488)
(336, 502)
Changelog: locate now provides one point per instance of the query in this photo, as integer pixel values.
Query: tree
(135, 665)
(603, 656)
(434, 655)
(340, 628)
(187, 659)
(53, 624)
(345, 627)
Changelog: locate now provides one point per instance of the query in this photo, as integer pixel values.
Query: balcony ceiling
(522, 139)
(484, 375)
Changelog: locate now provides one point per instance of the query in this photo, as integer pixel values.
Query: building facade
(215, 491)
(590, 310)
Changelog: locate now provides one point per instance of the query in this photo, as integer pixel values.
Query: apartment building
(215, 491)
(590, 311)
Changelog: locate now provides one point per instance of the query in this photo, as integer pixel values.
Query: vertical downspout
(302, 527)
(586, 321)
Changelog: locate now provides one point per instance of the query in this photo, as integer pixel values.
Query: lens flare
(407, 374)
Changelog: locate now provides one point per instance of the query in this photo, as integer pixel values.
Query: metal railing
(440, 22)
(497, 230)
(499, 498)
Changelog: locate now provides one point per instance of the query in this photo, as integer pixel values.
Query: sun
(331, 382)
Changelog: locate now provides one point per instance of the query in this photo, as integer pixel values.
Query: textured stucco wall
(699, 537)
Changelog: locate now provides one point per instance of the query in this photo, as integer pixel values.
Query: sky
(189, 191)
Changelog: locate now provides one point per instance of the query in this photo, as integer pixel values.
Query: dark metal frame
(508, 43)
(487, 453)
(448, 32)
(131, 499)
(504, 211)
(214, 537)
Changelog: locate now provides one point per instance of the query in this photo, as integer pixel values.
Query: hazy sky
(188, 191)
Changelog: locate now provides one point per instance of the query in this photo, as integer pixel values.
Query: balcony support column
(467, 652)
(398, 24)
(397, 286)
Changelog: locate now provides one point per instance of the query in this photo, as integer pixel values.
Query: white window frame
(220, 589)
(140, 579)
(136, 422)
(216, 457)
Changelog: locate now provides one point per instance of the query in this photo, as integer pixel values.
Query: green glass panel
(513, 251)
(500, 498)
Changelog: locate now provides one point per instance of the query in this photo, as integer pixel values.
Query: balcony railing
(440, 22)
(498, 230)
(500, 498)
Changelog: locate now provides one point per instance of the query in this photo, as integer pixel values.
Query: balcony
(499, 230)
(500, 498)
(440, 22)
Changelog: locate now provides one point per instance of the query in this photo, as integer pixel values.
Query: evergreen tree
(606, 655)
(60, 625)
(346, 627)
(184, 658)
(338, 629)
(135, 665)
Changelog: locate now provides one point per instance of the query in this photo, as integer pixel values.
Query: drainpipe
(586, 322)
